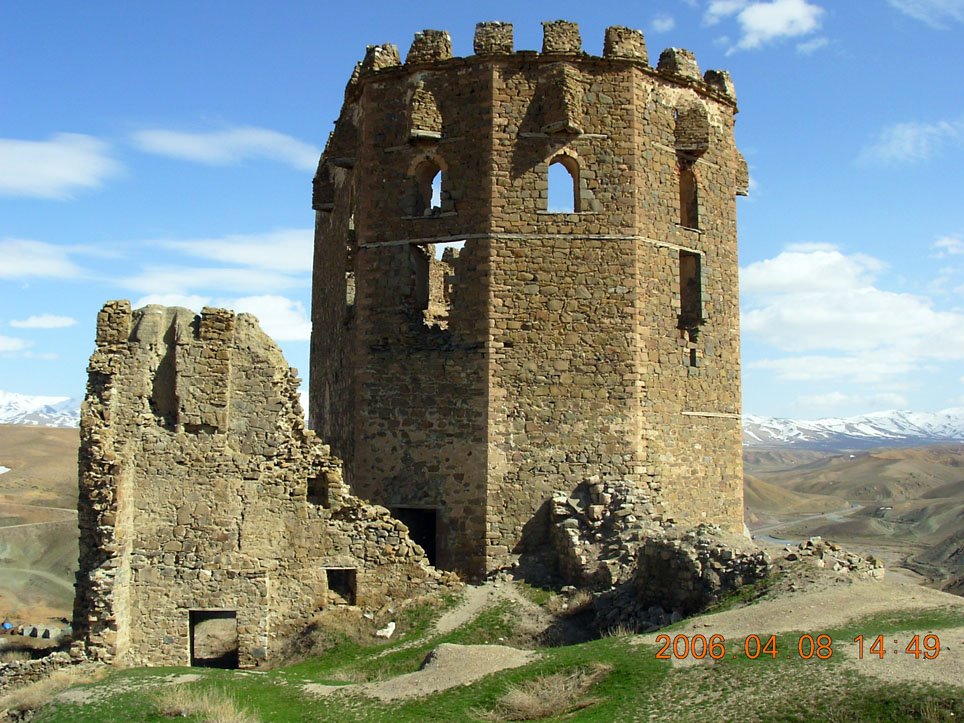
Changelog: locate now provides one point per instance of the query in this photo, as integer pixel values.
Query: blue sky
(164, 152)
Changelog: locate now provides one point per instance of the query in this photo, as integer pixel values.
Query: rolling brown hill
(38, 522)
(908, 503)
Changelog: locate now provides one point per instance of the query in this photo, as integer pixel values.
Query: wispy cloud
(9, 344)
(23, 258)
(288, 250)
(836, 400)
(939, 14)
(812, 46)
(184, 280)
(54, 168)
(949, 245)
(912, 142)
(43, 321)
(825, 310)
(283, 319)
(229, 147)
(662, 23)
(763, 23)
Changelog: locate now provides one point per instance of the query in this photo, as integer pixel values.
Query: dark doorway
(214, 638)
(422, 527)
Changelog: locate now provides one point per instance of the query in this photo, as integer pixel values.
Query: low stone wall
(19, 673)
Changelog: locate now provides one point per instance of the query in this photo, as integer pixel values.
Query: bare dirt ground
(448, 666)
(813, 601)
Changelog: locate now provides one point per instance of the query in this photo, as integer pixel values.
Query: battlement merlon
(493, 42)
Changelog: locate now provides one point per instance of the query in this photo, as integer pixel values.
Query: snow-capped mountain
(893, 427)
(39, 411)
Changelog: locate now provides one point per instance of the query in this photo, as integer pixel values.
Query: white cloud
(11, 344)
(54, 168)
(810, 268)
(949, 245)
(720, 9)
(812, 46)
(830, 400)
(188, 301)
(283, 250)
(837, 400)
(912, 142)
(182, 280)
(23, 258)
(663, 23)
(230, 147)
(281, 318)
(762, 23)
(824, 308)
(44, 321)
(936, 13)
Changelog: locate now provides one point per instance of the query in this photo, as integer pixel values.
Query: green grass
(637, 687)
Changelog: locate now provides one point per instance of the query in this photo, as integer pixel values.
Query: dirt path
(838, 515)
(60, 582)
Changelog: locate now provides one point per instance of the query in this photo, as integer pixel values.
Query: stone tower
(598, 340)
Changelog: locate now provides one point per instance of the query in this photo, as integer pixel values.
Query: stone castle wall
(201, 490)
(599, 342)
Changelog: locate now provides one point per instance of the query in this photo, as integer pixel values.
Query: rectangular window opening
(342, 585)
(690, 290)
(422, 524)
(318, 491)
(214, 638)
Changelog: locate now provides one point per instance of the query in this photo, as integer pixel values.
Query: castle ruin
(213, 525)
(554, 377)
(595, 341)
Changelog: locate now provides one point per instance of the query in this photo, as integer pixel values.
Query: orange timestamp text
(809, 646)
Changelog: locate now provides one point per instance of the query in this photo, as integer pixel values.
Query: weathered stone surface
(623, 42)
(561, 36)
(429, 46)
(679, 62)
(493, 39)
(202, 490)
(601, 341)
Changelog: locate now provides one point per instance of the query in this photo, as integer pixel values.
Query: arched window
(563, 196)
(689, 205)
(424, 197)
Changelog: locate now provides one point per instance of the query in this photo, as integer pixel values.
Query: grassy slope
(638, 687)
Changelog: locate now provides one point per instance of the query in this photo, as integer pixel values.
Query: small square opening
(318, 491)
(214, 638)
(342, 585)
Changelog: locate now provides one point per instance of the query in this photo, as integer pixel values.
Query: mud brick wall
(202, 490)
(601, 341)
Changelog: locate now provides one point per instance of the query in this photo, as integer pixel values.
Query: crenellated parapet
(493, 41)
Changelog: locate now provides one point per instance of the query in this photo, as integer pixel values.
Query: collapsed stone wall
(644, 571)
(202, 494)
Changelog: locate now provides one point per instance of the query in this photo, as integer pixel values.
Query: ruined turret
(551, 343)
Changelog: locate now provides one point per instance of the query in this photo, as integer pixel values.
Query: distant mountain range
(39, 411)
(880, 429)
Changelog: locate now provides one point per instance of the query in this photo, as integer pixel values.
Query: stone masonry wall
(600, 341)
(201, 490)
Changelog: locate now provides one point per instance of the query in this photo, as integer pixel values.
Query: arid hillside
(38, 522)
(904, 504)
